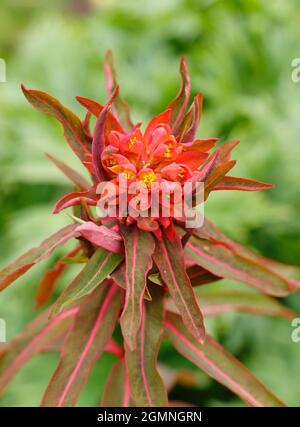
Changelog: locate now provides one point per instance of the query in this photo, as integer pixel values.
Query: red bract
(143, 273)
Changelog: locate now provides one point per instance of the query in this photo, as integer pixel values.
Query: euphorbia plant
(142, 272)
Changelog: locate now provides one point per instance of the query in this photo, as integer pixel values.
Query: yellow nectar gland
(110, 163)
(132, 141)
(181, 174)
(129, 173)
(148, 178)
(168, 151)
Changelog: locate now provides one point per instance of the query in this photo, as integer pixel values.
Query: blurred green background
(239, 53)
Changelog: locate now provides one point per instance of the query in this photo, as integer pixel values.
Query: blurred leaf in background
(239, 53)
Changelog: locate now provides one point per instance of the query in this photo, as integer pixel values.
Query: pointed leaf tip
(73, 128)
(213, 359)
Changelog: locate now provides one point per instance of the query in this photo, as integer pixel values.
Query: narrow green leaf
(47, 284)
(242, 184)
(91, 332)
(17, 268)
(98, 268)
(50, 278)
(218, 302)
(120, 107)
(169, 259)
(179, 104)
(213, 359)
(116, 392)
(216, 175)
(290, 273)
(119, 277)
(199, 276)
(220, 260)
(155, 278)
(38, 334)
(139, 248)
(70, 173)
(73, 129)
(146, 385)
(190, 123)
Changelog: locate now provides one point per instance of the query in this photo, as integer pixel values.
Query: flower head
(162, 158)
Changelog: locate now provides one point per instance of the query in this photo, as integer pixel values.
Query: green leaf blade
(97, 269)
(38, 334)
(220, 260)
(91, 332)
(146, 386)
(169, 259)
(218, 302)
(116, 392)
(73, 129)
(35, 255)
(213, 359)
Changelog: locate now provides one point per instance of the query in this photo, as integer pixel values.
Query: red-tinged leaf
(289, 272)
(199, 276)
(213, 359)
(73, 175)
(119, 277)
(193, 158)
(86, 124)
(242, 184)
(73, 130)
(218, 302)
(114, 348)
(180, 103)
(139, 248)
(95, 108)
(221, 261)
(17, 268)
(191, 120)
(75, 198)
(99, 138)
(50, 278)
(216, 175)
(57, 346)
(211, 232)
(203, 144)
(47, 284)
(169, 259)
(83, 211)
(39, 333)
(116, 392)
(217, 161)
(208, 167)
(224, 152)
(146, 385)
(101, 236)
(98, 268)
(120, 107)
(86, 341)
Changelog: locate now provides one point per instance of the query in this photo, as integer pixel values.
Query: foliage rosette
(144, 274)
